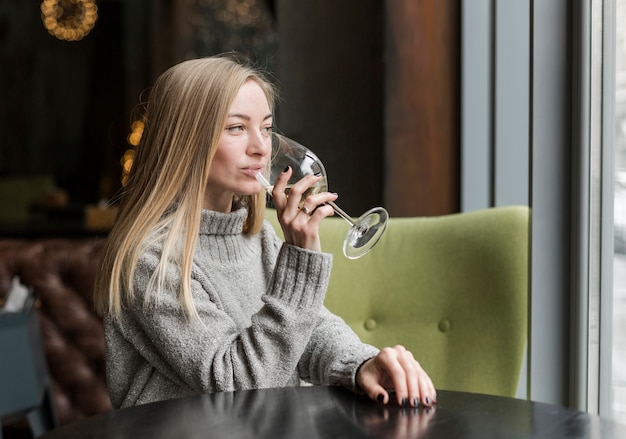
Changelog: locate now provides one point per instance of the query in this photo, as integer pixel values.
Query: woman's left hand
(396, 368)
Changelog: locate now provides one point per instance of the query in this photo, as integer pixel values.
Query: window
(618, 378)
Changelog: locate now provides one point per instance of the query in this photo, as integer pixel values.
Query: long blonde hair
(162, 200)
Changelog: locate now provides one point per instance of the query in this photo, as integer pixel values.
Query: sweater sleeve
(215, 354)
(334, 353)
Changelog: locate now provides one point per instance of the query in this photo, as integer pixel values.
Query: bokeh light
(133, 139)
(69, 20)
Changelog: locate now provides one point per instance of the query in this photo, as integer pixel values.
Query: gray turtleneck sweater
(263, 323)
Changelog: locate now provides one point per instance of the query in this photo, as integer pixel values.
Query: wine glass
(364, 232)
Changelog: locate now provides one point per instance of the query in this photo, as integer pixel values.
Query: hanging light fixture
(69, 20)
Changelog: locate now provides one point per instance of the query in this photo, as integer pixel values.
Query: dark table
(333, 412)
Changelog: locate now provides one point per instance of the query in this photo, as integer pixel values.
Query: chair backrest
(453, 289)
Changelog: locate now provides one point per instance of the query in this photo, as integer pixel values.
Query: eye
(267, 130)
(235, 128)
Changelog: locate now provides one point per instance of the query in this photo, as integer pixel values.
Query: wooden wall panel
(422, 128)
(373, 88)
(331, 81)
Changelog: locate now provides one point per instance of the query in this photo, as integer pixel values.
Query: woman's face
(243, 150)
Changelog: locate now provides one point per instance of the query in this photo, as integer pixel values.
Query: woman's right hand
(300, 217)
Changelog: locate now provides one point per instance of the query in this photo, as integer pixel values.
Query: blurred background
(371, 88)
(425, 107)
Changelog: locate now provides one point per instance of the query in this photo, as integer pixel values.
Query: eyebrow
(243, 116)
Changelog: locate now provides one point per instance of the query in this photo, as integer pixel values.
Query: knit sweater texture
(262, 321)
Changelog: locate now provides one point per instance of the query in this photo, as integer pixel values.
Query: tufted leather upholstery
(61, 274)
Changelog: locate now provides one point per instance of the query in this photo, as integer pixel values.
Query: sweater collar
(217, 223)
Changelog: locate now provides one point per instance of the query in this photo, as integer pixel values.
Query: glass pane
(619, 261)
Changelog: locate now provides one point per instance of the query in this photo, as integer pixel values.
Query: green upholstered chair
(453, 289)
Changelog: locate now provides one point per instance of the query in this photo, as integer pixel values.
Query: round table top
(334, 412)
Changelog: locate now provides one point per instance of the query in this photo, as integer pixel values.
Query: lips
(253, 170)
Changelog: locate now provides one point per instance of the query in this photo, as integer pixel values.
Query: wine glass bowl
(364, 232)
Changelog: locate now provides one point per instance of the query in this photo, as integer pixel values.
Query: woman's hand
(300, 217)
(395, 368)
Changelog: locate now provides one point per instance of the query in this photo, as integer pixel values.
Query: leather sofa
(60, 274)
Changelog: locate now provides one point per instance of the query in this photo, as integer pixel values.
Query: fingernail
(416, 402)
(405, 402)
(286, 169)
(380, 397)
(427, 400)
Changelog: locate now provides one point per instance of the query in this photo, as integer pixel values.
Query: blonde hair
(162, 200)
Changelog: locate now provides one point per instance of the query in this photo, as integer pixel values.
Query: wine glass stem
(339, 211)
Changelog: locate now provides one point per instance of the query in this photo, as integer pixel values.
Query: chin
(249, 191)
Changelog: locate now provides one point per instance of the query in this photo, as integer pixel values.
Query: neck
(222, 204)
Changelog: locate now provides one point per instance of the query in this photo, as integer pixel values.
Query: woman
(197, 293)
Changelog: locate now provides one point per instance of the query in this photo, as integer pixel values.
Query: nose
(259, 143)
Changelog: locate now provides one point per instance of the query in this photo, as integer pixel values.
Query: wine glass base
(366, 232)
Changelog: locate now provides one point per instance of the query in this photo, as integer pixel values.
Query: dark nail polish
(416, 402)
(405, 402)
(380, 397)
(427, 400)
(286, 169)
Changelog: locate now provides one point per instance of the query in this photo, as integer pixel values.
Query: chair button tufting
(370, 324)
(444, 325)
